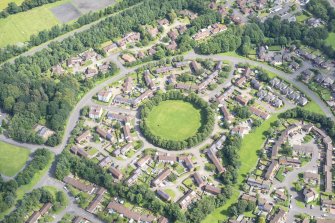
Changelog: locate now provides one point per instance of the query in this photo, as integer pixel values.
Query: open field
(331, 40)
(4, 3)
(12, 159)
(19, 27)
(174, 120)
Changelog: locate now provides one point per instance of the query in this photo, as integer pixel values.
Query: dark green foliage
(41, 158)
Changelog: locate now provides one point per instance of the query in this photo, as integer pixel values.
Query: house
(127, 134)
(241, 81)
(128, 58)
(307, 75)
(213, 190)
(118, 117)
(310, 194)
(90, 72)
(133, 177)
(89, 55)
(163, 195)
(172, 46)
(43, 131)
(163, 70)
(173, 34)
(287, 161)
(147, 94)
(105, 95)
(103, 133)
(57, 69)
(115, 173)
(148, 80)
(262, 54)
(95, 112)
(195, 66)
(199, 181)
(128, 85)
(187, 199)
(105, 161)
(262, 184)
(167, 158)
(271, 171)
(143, 161)
(128, 213)
(240, 130)
(126, 148)
(140, 55)
(161, 177)
(302, 101)
(38, 214)
(279, 193)
(181, 29)
(249, 198)
(79, 151)
(74, 61)
(259, 113)
(96, 201)
(163, 22)
(181, 64)
(255, 84)
(227, 116)
(85, 136)
(242, 100)
(103, 68)
(212, 156)
(279, 217)
(153, 32)
(79, 185)
(109, 48)
(186, 160)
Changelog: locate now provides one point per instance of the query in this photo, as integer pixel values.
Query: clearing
(174, 120)
(12, 159)
(331, 40)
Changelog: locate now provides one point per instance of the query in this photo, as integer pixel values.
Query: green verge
(331, 40)
(174, 120)
(251, 143)
(313, 107)
(12, 159)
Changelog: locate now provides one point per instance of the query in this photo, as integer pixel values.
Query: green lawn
(12, 159)
(331, 40)
(19, 27)
(174, 120)
(4, 3)
(313, 107)
(170, 192)
(248, 156)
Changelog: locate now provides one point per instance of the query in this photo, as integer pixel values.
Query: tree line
(26, 5)
(207, 120)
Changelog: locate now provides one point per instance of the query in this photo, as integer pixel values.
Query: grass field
(4, 3)
(19, 27)
(174, 120)
(313, 107)
(331, 40)
(251, 143)
(12, 159)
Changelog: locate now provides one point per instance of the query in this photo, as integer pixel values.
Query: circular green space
(174, 120)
